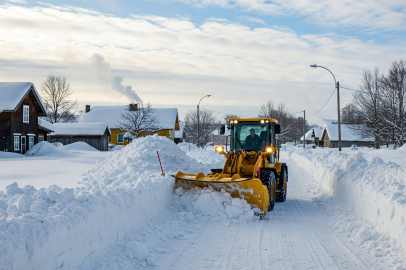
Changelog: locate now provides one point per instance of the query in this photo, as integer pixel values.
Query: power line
(353, 89)
(296, 112)
(324, 104)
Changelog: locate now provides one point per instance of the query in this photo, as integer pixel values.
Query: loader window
(250, 136)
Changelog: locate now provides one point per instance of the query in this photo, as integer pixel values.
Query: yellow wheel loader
(252, 170)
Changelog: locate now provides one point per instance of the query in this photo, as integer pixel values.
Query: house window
(120, 138)
(30, 142)
(16, 143)
(40, 137)
(26, 113)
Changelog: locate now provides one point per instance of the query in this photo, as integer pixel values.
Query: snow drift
(59, 227)
(45, 148)
(374, 189)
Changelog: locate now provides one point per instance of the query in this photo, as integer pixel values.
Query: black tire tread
(280, 195)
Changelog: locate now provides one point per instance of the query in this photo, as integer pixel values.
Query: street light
(198, 121)
(337, 85)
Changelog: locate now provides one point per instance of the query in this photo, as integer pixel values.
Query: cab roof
(253, 120)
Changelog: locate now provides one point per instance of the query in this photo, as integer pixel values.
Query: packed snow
(123, 214)
(373, 188)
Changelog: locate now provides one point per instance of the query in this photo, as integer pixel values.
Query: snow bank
(58, 227)
(207, 157)
(79, 146)
(46, 149)
(374, 189)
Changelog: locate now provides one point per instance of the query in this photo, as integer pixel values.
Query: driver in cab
(252, 141)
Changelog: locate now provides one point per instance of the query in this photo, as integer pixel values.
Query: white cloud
(17, 1)
(252, 19)
(372, 15)
(173, 62)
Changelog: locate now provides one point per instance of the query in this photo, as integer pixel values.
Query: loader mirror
(277, 129)
(222, 130)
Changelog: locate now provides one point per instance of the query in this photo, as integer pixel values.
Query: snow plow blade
(250, 189)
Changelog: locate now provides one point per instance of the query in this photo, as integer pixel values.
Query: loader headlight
(219, 149)
(262, 121)
(270, 150)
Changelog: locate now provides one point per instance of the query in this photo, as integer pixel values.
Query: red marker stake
(160, 164)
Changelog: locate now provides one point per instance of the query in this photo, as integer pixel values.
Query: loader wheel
(272, 191)
(281, 193)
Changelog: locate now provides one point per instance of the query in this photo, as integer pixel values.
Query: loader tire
(283, 188)
(268, 178)
(272, 191)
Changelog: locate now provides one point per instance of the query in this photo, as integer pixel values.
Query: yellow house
(168, 121)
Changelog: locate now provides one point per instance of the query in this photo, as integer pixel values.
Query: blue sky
(173, 51)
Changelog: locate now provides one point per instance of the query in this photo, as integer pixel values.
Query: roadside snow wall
(58, 227)
(374, 189)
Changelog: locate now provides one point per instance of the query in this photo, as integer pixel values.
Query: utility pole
(304, 129)
(336, 85)
(198, 127)
(338, 114)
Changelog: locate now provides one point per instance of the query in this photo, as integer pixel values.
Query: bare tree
(351, 115)
(56, 94)
(369, 103)
(137, 122)
(394, 102)
(291, 126)
(228, 116)
(208, 123)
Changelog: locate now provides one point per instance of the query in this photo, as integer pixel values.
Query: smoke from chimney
(102, 72)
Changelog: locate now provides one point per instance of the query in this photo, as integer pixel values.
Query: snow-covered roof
(80, 128)
(347, 134)
(45, 124)
(318, 131)
(111, 114)
(12, 94)
(179, 133)
(308, 136)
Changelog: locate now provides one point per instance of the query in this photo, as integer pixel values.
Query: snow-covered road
(297, 234)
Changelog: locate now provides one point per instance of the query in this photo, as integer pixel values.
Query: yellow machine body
(240, 174)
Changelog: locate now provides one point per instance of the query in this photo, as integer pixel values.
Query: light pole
(198, 121)
(337, 85)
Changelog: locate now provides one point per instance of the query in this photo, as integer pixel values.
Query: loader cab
(252, 134)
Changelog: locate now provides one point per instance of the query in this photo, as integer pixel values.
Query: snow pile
(187, 147)
(374, 189)
(208, 205)
(46, 149)
(208, 157)
(79, 146)
(211, 158)
(57, 144)
(59, 227)
(354, 147)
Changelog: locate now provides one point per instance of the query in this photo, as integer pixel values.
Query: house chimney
(87, 108)
(133, 107)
